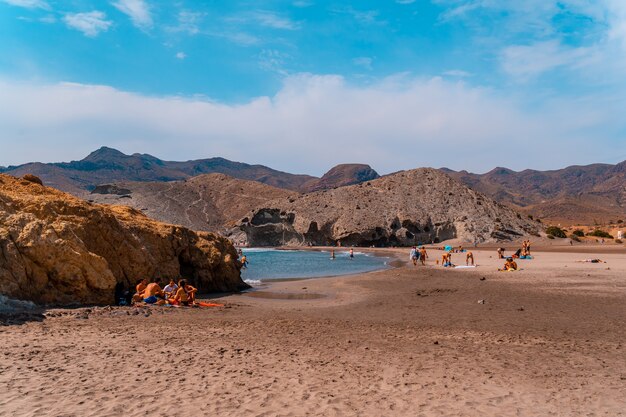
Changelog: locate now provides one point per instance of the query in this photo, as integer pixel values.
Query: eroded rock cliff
(56, 248)
(418, 206)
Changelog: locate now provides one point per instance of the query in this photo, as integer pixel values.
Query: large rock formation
(422, 205)
(210, 202)
(340, 176)
(55, 248)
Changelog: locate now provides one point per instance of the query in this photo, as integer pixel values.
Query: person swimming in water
(351, 253)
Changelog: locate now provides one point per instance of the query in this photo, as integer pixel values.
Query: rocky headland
(418, 206)
(210, 202)
(58, 249)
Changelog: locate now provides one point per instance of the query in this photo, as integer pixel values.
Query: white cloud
(365, 17)
(457, 73)
(28, 4)
(188, 22)
(181, 55)
(312, 123)
(137, 10)
(274, 21)
(363, 61)
(274, 60)
(90, 23)
(526, 61)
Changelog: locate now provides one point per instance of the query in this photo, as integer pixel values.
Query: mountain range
(107, 165)
(574, 195)
(577, 194)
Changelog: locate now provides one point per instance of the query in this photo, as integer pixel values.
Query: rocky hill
(56, 248)
(417, 206)
(210, 202)
(107, 165)
(572, 194)
(340, 176)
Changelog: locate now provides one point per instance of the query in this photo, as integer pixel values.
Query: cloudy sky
(303, 85)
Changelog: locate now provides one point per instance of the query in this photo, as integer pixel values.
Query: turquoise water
(272, 264)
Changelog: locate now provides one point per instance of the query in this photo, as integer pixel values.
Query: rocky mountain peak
(342, 175)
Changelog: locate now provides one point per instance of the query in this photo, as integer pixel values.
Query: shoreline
(547, 340)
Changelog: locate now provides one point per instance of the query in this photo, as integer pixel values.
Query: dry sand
(548, 341)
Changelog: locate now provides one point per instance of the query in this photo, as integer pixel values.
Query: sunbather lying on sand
(593, 261)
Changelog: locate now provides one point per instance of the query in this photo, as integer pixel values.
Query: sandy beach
(544, 341)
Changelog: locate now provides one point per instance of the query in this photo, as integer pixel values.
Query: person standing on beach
(423, 256)
(469, 257)
(413, 256)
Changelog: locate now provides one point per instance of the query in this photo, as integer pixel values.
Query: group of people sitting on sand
(521, 253)
(181, 294)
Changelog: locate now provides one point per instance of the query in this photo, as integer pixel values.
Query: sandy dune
(548, 341)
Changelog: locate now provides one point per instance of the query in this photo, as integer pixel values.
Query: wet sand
(547, 340)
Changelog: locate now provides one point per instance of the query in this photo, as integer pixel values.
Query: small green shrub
(556, 232)
(600, 233)
(578, 233)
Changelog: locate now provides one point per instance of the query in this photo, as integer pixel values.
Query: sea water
(274, 264)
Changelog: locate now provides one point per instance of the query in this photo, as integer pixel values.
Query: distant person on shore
(509, 265)
(501, 253)
(413, 255)
(423, 255)
(469, 257)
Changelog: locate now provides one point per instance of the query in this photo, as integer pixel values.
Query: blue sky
(303, 85)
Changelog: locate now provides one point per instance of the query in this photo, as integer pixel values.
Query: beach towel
(203, 304)
(465, 266)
